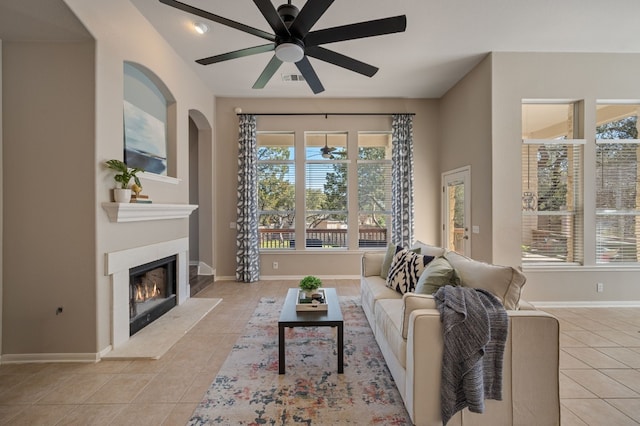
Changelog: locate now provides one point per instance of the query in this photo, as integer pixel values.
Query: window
(374, 189)
(326, 195)
(551, 185)
(332, 179)
(617, 184)
(276, 190)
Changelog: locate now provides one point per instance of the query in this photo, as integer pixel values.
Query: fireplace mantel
(132, 212)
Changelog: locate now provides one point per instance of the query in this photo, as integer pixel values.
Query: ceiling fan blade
(308, 16)
(219, 19)
(267, 73)
(237, 54)
(271, 15)
(341, 60)
(377, 27)
(309, 74)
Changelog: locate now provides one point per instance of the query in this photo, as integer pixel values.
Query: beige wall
(49, 198)
(1, 210)
(579, 77)
(465, 126)
(298, 263)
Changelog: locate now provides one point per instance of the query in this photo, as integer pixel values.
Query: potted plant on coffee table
(123, 176)
(309, 285)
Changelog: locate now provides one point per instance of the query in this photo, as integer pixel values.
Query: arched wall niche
(149, 114)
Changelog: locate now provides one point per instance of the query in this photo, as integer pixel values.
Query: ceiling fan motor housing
(289, 48)
(288, 13)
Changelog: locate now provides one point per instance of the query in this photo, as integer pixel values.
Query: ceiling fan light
(289, 52)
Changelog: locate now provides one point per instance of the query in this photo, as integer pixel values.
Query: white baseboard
(588, 304)
(292, 277)
(43, 358)
(299, 277)
(219, 278)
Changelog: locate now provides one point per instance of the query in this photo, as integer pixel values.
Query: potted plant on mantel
(122, 194)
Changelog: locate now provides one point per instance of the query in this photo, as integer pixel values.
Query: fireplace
(152, 292)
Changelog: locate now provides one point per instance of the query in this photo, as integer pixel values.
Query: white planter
(121, 195)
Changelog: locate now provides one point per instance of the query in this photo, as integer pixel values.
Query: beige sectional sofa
(407, 329)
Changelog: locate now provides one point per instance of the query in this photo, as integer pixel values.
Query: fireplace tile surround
(117, 266)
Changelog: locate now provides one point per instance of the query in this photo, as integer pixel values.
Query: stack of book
(140, 199)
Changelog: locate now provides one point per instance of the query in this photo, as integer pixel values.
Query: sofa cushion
(438, 273)
(371, 262)
(388, 317)
(405, 270)
(504, 282)
(372, 289)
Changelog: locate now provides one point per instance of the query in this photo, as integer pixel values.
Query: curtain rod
(326, 114)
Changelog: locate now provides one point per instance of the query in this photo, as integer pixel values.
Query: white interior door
(456, 210)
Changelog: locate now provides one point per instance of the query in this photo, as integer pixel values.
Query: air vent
(292, 77)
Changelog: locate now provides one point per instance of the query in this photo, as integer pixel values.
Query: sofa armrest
(530, 370)
(411, 302)
(372, 263)
(424, 367)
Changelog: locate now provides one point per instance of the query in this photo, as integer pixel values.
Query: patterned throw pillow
(392, 249)
(405, 270)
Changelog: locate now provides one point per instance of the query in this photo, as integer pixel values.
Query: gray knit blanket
(474, 330)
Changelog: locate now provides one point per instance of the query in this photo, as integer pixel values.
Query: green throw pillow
(392, 249)
(438, 273)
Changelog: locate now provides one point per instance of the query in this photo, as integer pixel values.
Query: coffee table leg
(280, 349)
(340, 349)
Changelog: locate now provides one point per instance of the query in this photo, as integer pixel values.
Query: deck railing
(285, 238)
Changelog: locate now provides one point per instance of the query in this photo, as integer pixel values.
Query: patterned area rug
(249, 391)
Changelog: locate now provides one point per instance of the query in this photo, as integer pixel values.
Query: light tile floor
(599, 369)
(599, 365)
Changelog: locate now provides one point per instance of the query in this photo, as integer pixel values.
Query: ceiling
(443, 41)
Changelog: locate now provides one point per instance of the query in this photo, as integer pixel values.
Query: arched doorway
(201, 222)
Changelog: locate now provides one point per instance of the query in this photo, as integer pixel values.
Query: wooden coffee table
(332, 317)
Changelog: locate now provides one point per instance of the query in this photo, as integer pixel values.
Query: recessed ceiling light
(200, 27)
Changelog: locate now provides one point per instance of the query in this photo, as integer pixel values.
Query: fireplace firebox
(152, 292)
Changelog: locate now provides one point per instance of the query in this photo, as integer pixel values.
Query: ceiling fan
(326, 151)
(294, 42)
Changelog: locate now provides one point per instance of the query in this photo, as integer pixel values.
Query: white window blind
(326, 195)
(552, 219)
(617, 184)
(374, 189)
(551, 208)
(276, 190)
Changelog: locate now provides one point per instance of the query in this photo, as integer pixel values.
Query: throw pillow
(405, 270)
(428, 249)
(392, 249)
(503, 282)
(438, 273)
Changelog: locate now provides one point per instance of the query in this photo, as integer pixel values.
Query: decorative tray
(318, 303)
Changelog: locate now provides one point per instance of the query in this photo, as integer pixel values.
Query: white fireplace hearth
(117, 267)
